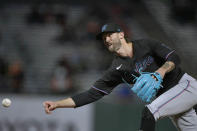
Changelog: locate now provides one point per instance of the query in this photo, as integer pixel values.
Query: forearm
(73, 102)
(165, 68)
(65, 103)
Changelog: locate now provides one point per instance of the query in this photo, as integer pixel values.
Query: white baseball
(6, 102)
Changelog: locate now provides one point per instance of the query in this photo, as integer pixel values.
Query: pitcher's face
(112, 41)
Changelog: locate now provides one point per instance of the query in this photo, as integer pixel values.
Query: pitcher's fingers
(46, 104)
(51, 107)
(47, 111)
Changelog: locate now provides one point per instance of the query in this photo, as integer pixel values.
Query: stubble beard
(117, 46)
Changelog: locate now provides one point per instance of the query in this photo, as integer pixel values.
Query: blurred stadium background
(48, 51)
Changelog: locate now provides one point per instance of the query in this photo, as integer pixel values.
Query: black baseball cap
(111, 27)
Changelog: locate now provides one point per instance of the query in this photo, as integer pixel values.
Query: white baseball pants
(177, 103)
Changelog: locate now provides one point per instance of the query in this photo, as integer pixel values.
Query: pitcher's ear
(121, 34)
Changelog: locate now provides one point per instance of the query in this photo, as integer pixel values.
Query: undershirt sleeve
(87, 97)
(100, 88)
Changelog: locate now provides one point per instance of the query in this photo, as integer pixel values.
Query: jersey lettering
(142, 65)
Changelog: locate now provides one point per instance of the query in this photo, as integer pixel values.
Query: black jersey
(148, 56)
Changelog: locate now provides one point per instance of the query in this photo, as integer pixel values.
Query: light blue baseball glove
(147, 85)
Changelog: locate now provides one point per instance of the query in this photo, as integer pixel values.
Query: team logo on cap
(104, 28)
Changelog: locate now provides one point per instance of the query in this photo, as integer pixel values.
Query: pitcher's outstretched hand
(49, 106)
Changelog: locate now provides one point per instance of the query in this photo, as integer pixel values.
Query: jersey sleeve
(108, 81)
(163, 51)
